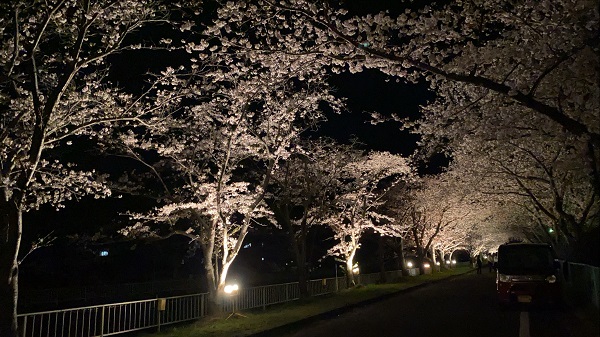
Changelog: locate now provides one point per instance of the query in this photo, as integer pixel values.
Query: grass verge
(258, 320)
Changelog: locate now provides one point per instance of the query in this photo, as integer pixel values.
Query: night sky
(370, 91)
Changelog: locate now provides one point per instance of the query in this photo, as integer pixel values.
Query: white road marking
(524, 326)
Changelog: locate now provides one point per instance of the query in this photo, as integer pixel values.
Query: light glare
(230, 288)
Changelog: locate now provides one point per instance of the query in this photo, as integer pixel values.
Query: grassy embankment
(258, 320)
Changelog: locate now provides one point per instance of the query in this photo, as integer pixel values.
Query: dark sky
(371, 90)
(367, 92)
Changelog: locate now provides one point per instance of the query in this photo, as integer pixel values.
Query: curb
(279, 330)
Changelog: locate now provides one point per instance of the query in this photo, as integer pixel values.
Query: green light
(550, 230)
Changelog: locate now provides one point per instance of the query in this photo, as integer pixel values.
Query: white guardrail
(116, 318)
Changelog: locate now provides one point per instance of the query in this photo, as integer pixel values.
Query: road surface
(463, 306)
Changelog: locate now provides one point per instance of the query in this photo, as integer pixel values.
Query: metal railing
(117, 318)
(101, 320)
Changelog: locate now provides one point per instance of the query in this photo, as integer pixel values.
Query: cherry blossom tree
(495, 67)
(541, 174)
(481, 231)
(243, 121)
(54, 92)
(487, 236)
(472, 210)
(302, 191)
(532, 54)
(397, 206)
(366, 180)
(431, 207)
(449, 240)
(497, 214)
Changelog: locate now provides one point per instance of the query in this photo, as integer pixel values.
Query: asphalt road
(463, 306)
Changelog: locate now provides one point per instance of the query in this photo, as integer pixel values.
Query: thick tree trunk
(10, 236)
(401, 260)
(350, 267)
(299, 248)
(302, 271)
(297, 242)
(349, 273)
(421, 260)
(211, 281)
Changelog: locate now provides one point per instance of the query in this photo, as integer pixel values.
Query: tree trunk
(299, 247)
(433, 260)
(211, 281)
(381, 257)
(298, 243)
(302, 270)
(10, 236)
(443, 257)
(349, 273)
(350, 267)
(421, 259)
(401, 261)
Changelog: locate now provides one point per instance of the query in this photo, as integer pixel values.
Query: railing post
(24, 326)
(102, 322)
(158, 314)
(264, 298)
(287, 298)
(161, 305)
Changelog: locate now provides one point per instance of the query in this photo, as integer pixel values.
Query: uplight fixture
(231, 288)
